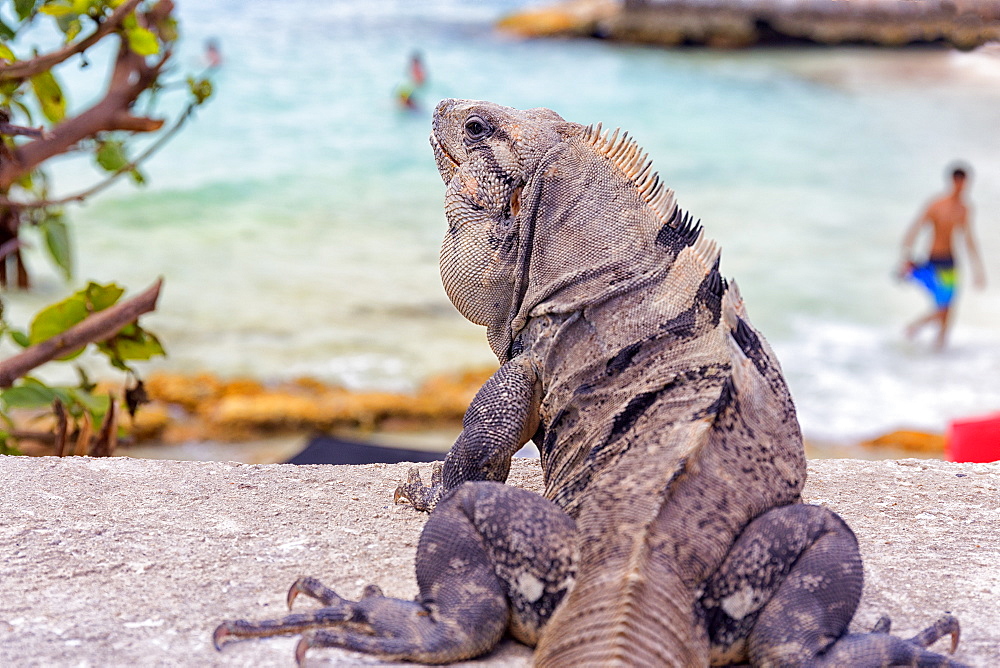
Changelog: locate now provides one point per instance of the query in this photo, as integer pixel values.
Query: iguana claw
(301, 647)
(944, 626)
(312, 588)
(419, 495)
(220, 636)
(882, 625)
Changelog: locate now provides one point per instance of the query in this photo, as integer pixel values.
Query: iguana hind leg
(490, 558)
(786, 594)
(881, 649)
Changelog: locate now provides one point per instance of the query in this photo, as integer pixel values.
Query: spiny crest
(744, 338)
(707, 251)
(685, 228)
(739, 340)
(716, 282)
(626, 154)
(732, 306)
(687, 233)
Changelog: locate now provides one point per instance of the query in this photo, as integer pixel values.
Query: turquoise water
(297, 220)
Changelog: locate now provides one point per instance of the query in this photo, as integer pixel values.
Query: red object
(974, 439)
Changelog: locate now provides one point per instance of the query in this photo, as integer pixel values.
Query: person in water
(947, 217)
(406, 94)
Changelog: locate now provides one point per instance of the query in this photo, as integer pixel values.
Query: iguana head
(546, 216)
(486, 154)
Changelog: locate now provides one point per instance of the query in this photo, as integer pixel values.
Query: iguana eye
(477, 128)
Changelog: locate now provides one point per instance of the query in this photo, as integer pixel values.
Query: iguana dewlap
(673, 533)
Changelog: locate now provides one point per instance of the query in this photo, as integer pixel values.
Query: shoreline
(203, 417)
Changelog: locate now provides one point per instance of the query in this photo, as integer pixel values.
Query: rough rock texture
(964, 24)
(114, 562)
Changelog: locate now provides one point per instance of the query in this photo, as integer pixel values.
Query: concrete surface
(128, 562)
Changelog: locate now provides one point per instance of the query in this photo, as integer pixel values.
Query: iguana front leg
(502, 417)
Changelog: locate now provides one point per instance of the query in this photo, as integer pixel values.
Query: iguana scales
(672, 531)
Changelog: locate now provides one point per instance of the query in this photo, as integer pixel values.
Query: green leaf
(57, 9)
(57, 240)
(10, 89)
(5, 51)
(138, 177)
(65, 396)
(49, 95)
(167, 28)
(59, 317)
(24, 8)
(132, 343)
(20, 338)
(27, 395)
(5, 444)
(73, 29)
(111, 155)
(26, 181)
(201, 89)
(79, 400)
(32, 394)
(6, 32)
(142, 41)
(101, 297)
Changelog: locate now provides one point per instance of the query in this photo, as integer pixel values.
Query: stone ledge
(125, 562)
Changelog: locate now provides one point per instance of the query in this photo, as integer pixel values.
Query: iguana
(672, 532)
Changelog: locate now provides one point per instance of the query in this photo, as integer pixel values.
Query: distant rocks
(963, 24)
(910, 441)
(203, 407)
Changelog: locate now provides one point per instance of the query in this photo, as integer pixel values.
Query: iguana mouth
(446, 163)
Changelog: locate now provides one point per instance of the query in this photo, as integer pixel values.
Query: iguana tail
(630, 605)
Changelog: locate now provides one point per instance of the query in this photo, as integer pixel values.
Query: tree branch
(9, 247)
(12, 130)
(130, 77)
(106, 441)
(62, 427)
(98, 327)
(102, 185)
(26, 69)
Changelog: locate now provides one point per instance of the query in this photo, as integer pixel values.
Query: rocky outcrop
(126, 562)
(964, 24)
(183, 408)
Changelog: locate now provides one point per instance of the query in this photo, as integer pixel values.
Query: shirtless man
(947, 217)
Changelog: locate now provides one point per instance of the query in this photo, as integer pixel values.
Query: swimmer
(947, 217)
